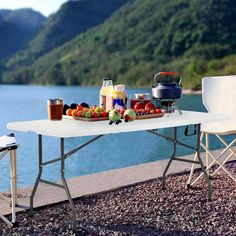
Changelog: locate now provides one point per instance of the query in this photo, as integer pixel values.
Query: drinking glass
(55, 109)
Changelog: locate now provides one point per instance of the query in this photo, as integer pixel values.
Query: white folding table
(67, 128)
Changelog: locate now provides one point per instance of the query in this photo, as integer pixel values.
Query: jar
(119, 97)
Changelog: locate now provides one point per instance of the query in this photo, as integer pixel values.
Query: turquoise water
(20, 103)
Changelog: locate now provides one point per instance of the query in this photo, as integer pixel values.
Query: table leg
(65, 184)
(40, 166)
(171, 159)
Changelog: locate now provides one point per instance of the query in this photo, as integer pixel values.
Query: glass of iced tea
(55, 109)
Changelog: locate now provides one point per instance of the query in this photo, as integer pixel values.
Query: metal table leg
(40, 166)
(61, 159)
(171, 159)
(65, 184)
(197, 158)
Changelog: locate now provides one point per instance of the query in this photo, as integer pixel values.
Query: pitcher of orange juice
(105, 98)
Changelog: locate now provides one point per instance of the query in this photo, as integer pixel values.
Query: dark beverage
(133, 101)
(144, 98)
(55, 109)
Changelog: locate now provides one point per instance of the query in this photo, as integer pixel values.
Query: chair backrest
(219, 96)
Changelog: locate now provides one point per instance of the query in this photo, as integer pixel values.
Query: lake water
(20, 103)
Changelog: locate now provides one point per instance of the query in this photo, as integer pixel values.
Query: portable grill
(166, 91)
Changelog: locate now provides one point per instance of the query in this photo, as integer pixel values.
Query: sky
(46, 7)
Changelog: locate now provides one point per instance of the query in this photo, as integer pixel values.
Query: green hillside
(17, 28)
(72, 18)
(194, 37)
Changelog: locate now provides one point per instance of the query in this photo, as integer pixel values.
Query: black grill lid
(167, 78)
(167, 86)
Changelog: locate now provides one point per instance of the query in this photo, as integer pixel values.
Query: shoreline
(184, 91)
(192, 92)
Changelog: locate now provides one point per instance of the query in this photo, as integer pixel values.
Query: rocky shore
(194, 92)
(142, 209)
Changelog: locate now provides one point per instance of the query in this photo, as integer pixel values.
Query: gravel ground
(142, 209)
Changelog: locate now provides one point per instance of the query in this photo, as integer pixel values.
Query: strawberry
(104, 114)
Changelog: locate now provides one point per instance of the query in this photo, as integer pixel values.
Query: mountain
(72, 18)
(25, 17)
(194, 37)
(17, 28)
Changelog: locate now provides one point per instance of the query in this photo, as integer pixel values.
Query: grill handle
(167, 73)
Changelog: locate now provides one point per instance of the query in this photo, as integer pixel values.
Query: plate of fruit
(139, 112)
(147, 111)
(84, 112)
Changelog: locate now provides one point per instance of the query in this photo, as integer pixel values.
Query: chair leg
(5, 198)
(233, 152)
(14, 173)
(6, 220)
(215, 160)
(222, 164)
(207, 154)
(13, 184)
(192, 168)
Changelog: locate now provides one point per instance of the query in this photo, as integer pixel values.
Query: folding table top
(74, 128)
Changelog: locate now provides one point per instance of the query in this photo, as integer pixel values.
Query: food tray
(140, 117)
(150, 116)
(85, 119)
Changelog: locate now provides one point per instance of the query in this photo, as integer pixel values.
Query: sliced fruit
(122, 111)
(152, 111)
(114, 115)
(95, 115)
(80, 113)
(104, 114)
(140, 110)
(158, 110)
(79, 108)
(83, 113)
(98, 109)
(149, 106)
(74, 112)
(139, 105)
(130, 115)
(69, 112)
(88, 114)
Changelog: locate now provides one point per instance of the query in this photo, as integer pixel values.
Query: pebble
(142, 209)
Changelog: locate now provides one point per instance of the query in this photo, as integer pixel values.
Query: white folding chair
(10, 148)
(219, 96)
